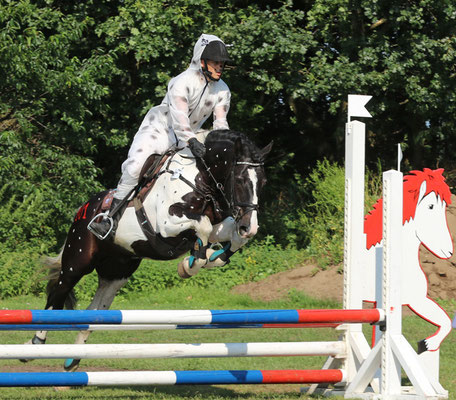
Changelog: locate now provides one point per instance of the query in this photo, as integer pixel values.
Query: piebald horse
(192, 204)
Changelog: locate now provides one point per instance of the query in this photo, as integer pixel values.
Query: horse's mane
(435, 182)
(249, 149)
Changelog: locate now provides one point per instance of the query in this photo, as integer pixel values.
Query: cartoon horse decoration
(426, 196)
(192, 204)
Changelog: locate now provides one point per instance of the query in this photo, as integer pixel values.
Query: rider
(192, 97)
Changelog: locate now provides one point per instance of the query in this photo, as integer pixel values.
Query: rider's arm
(178, 108)
(221, 110)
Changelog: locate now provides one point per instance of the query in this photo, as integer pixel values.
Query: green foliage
(20, 273)
(322, 221)
(284, 198)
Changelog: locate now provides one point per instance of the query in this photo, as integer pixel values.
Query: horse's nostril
(243, 230)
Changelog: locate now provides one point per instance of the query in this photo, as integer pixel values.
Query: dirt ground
(327, 284)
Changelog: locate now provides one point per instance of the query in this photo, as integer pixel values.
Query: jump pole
(189, 317)
(169, 377)
(148, 327)
(172, 350)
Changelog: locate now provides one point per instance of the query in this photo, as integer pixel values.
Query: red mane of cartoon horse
(435, 182)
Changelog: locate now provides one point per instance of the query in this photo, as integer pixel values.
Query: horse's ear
(422, 191)
(266, 150)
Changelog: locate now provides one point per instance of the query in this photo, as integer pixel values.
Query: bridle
(237, 209)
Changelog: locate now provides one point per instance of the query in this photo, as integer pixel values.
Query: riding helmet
(215, 51)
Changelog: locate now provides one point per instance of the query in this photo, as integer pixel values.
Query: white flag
(356, 106)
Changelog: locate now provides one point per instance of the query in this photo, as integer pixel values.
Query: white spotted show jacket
(191, 99)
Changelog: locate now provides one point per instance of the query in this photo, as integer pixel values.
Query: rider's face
(214, 67)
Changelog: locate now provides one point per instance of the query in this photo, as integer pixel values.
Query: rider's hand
(197, 148)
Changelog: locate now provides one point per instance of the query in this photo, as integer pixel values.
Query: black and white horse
(193, 204)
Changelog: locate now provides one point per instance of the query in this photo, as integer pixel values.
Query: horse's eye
(431, 206)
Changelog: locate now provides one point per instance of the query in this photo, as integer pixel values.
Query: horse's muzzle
(247, 225)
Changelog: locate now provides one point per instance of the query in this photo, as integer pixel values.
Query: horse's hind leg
(104, 296)
(66, 270)
(60, 292)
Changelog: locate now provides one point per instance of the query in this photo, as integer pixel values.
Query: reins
(234, 206)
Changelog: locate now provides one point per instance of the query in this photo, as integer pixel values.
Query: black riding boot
(108, 225)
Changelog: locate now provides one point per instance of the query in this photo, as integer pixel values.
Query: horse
(426, 197)
(193, 204)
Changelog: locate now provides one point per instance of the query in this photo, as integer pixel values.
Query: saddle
(147, 179)
(150, 172)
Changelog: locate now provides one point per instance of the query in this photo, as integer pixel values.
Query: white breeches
(146, 142)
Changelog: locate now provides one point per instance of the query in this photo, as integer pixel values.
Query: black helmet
(215, 51)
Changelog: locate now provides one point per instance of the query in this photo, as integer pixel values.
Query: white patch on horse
(169, 191)
(254, 219)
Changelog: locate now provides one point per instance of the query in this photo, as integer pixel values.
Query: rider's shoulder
(221, 86)
(188, 78)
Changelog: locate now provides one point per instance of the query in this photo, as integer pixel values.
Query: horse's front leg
(227, 235)
(191, 265)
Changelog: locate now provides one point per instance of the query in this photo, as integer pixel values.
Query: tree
(78, 77)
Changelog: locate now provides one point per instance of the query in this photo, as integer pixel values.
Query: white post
(357, 345)
(355, 138)
(391, 296)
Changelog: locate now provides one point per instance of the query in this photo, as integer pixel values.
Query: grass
(193, 298)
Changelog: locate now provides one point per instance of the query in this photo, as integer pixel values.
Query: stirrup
(105, 216)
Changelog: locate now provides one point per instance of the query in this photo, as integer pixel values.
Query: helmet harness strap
(208, 73)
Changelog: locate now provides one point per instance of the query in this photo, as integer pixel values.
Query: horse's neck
(410, 243)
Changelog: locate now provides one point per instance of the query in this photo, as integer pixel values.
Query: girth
(147, 182)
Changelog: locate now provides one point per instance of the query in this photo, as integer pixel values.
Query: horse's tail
(54, 265)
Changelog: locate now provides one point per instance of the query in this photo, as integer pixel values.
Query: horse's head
(431, 224)
(428, 195)
(243, 176)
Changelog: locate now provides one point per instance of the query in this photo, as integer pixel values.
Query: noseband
(237, 208)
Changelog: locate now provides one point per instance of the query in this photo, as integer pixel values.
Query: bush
(20, 271)
(322, 222)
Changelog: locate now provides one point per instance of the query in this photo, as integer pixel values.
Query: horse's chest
(173, 202)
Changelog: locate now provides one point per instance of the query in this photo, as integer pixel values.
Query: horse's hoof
(71, 365)
(34, 340)
(181, 271)
(422, 346)
(189, 267)
(214, 258)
